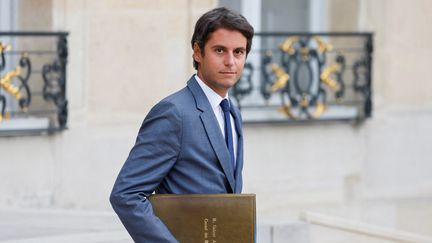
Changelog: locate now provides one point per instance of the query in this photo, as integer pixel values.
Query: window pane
(283, 15)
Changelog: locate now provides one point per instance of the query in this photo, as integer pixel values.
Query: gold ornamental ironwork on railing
(302, 77)
(32, 82)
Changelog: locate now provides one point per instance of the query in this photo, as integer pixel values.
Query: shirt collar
(211, 95)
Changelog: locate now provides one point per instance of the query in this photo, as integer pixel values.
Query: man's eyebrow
(224, 47)
(219, 46)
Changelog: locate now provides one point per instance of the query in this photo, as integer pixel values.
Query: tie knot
(225, 105)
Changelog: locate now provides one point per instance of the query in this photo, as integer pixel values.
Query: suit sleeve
(150, 160)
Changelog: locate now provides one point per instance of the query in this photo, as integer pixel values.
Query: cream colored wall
(343, 15)
(124, 56)
(133, 54)
(34, 15)
(403, 94)
(401, 134)
(402, 42)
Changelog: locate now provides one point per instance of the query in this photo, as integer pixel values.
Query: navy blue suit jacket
(180, 149)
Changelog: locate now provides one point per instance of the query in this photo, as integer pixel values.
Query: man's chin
(229, 82)
(227, 88)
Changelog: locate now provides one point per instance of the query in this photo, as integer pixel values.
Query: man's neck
(221, 92)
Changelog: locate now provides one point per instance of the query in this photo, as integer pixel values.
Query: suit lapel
(239, 158)
(213, 131)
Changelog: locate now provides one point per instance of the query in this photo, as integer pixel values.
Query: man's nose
(229, 59)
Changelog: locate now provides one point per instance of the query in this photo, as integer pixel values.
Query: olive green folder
(207, 218)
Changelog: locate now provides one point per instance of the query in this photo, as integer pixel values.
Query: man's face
(221, 64)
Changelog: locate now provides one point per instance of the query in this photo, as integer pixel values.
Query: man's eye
(239, 52)
(218, 50)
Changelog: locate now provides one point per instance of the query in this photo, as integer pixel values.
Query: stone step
(294, 231)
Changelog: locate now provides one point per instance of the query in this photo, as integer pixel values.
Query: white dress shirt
(215, 100)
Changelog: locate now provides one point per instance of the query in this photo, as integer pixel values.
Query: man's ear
(197, 52)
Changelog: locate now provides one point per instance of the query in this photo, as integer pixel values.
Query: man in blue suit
(191, 141)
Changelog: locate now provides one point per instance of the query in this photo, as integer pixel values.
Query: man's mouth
(228, 72)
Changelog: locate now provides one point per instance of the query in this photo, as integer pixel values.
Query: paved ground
(73, 226)
(49, 226)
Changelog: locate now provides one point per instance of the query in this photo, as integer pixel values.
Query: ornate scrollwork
(281, 77)
(287, 45)
(25, 64)
(20, 91)
(54, 76)
(362, 82)
(3, 49)
(52, 89)
(244, 85)
(19, 85)
(5, 83)
(327, 80)
(309, 69)
(267, 82)
(306, 94)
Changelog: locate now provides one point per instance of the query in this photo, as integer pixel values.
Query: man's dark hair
(216, 19)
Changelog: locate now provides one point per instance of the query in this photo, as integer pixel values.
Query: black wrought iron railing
(33, 82)
(303, 77)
